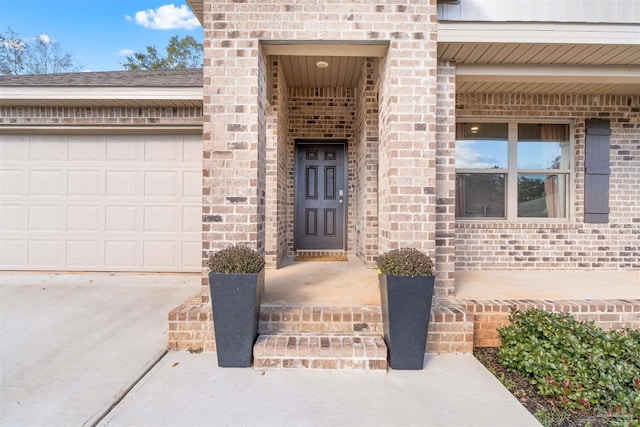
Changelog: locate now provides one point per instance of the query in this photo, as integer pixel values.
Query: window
(512, 170)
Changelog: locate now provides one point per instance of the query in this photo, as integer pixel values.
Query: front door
(320, 195)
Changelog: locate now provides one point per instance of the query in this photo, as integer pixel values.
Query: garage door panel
(45, 149)
(161, 184)
(45, 183)
(84, 218)
(11, 253)
(160, 219)
(121, 254)
(122, 149)
(84, 183)
(191, 255)
(123, 184)
(86, 149)
(160, 254)
(122, 219)
(191, 219)
(15, 150)
(101, 203)
(12, 218)
(192, 152)
(11, 183)
(45, 218)
(160, 149)
(84, 253)
(191, 185)
(45, 253)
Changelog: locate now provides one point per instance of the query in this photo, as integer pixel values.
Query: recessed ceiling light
(322, 64)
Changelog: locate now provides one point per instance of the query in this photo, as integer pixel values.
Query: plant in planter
(236, 281)
(406, 280)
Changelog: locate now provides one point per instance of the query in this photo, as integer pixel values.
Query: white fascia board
(68, 92)
(539, 32)
(324, 48)
(99, 129)
(549, 73)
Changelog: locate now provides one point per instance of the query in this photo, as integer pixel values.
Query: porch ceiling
(542, 57)
(534, 53)
(302, 71)
(565, 79)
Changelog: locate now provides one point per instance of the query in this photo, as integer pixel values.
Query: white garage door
(100, 203)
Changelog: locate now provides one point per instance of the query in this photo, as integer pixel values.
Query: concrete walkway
(187, 389)
(71, 345)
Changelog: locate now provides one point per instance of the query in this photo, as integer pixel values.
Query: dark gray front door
(320, 195)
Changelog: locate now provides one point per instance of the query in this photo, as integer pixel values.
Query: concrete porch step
(320, 351)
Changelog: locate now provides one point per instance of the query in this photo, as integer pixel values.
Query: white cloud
(126, 52)
(128, 18)
(44, 38)
(167, 17)
(469, 156)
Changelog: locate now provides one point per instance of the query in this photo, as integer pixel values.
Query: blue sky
(100, 33)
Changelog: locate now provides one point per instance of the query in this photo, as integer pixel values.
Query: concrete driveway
(70, 343)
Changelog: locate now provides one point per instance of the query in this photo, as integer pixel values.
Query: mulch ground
(547, 411)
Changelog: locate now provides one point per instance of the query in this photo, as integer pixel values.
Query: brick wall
(445, 256)
(234, 132)
(233, 82)
(366, 164)
(489, 316)
(493, 245)
(152, 116)
(407, 126)
(278, 197)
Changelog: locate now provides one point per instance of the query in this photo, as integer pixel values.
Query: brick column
(407, 137)
(234, 137)
(446, 179)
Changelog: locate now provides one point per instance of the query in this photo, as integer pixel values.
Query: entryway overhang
(344, 60)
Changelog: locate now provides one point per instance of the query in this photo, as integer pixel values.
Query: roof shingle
(187, 77)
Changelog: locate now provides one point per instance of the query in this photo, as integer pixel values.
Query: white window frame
(511, 172)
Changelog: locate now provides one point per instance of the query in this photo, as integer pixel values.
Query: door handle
(340, 200)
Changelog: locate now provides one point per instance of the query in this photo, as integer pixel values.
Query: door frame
(299, 142)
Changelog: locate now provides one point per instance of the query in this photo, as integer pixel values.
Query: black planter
(235, 301)
(406, 307)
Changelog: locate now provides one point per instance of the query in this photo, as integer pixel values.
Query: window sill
(497, 224)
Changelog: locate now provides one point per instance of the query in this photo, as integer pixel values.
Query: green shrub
(236, 259)
(405, 262)
(575, 362)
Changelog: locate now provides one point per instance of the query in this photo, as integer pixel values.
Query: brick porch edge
(191, 324)
(455, 325)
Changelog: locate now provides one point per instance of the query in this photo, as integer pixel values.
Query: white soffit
(548, 79)
(548, 73)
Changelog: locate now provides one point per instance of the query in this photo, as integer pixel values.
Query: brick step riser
(310, 351)
(306, 319)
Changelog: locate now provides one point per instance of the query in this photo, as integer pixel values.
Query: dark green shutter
(597, 171)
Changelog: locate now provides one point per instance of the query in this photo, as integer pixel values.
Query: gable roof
(160, 88)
